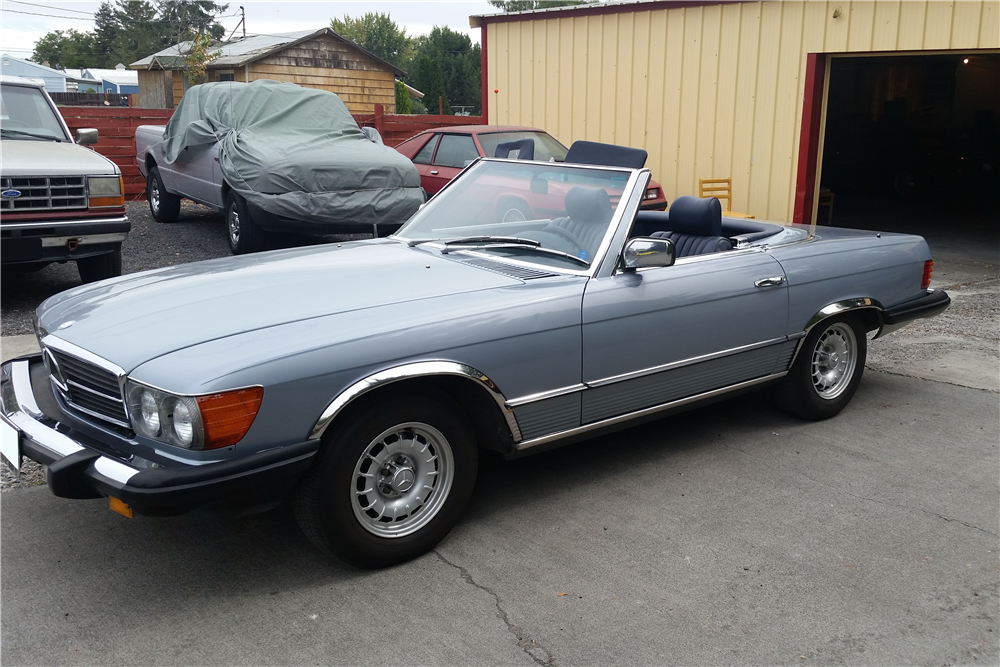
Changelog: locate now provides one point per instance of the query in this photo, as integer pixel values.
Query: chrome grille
(42, 193)
(90, 389)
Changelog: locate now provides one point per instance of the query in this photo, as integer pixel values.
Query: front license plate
(10, 445)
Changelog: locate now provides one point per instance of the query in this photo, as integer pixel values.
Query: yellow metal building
(712, 90)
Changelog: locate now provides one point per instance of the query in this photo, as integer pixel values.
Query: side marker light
(120, 507)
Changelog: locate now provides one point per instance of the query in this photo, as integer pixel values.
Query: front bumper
(79, 466)
(60, 239)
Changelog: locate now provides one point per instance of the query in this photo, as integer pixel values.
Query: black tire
(383, 436)
(99, 267)
(163, 206)
(244, 235)
(827, 370)
(511, 209)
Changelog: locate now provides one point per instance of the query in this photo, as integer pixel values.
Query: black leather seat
(525, 149)
(695, 227)
(589, 212)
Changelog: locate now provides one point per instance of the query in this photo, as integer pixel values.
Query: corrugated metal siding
(712, 91)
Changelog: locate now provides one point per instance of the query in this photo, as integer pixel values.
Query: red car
(440, 154)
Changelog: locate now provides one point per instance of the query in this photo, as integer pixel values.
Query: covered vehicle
(276, 157)
(231, 383)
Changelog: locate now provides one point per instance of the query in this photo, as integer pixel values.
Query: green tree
(106, 27)
(461, 65)
(402, 98)
(197, 59)
(379, 34)
(430, 81)
(179, 17)
(65, 49)
(138, 32)
(528, 5)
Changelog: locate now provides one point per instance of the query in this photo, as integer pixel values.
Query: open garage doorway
(912, 144)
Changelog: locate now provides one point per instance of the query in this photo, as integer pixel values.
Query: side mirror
(86, 136)
(641, 253)
(539, 185)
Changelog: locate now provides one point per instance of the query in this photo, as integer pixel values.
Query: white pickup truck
(59, 200)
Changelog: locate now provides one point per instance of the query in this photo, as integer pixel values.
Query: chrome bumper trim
(86, 239)
(19, 408)
(63, 223)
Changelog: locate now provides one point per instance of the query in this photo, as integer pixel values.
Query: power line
(49, 16)
(58, 9)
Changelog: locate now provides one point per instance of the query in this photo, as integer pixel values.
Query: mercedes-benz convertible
(360, 380)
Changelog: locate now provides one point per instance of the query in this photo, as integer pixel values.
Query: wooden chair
(720, 188)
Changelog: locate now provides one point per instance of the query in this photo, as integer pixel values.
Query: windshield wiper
(9, 132)
(478, 239)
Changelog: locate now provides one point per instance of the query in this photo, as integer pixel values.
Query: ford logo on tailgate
(11, 194)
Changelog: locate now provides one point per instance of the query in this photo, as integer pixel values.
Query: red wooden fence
(116, 129)
(116, 132)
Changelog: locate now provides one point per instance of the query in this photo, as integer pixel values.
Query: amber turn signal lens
(120, 507)
(227, 417)
(107, 201)
(928, 270)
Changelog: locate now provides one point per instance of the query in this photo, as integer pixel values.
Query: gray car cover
(294, 152)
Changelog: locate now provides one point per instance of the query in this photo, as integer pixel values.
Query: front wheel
(243, 234)
(390, 482)
(163, 206)
(827, 371)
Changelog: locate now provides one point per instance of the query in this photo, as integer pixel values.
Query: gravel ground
(967, 264)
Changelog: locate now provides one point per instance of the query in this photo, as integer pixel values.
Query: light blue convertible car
(359, 380)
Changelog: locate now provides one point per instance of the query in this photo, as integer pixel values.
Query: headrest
(608, 155)
(588, 205)
(525, 149)
(696, 216)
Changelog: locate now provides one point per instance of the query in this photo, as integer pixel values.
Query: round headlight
(183, 422)
(150, 412)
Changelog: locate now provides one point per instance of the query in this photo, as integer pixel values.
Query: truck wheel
(164, 206)
(390, 482)
(243, 233)
(827, 370)
(99, 267)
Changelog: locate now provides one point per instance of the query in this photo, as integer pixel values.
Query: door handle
(434, 172)
(769, 282)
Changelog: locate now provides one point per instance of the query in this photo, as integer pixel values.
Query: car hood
(139, 317)
(24, 157)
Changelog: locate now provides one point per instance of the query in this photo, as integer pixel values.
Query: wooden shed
(314, 59)
(736, 89)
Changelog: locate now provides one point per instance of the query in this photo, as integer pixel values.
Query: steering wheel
(566, 235)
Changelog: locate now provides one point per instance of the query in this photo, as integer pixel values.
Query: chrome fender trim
(835, 309)
(842, 307)
(406, 372)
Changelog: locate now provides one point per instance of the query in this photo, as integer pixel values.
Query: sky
(21, 26)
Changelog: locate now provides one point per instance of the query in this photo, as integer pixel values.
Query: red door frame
(809, 137)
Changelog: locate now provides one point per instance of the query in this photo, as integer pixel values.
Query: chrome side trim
(842, 307)
(405, 372)
(543, 440)
(686, 362)
(542, 395)
(115, 471)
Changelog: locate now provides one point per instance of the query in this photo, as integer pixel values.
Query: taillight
(928, 270)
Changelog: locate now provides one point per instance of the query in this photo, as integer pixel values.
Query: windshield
(550, 214)
(24, 112)
(547, 149)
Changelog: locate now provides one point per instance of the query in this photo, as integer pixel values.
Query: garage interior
(912, 144)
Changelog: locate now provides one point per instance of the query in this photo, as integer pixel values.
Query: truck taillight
(928, 270)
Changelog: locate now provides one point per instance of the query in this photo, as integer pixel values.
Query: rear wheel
(243, 234)
(163, 206)
(99, 267)
(827, 371)
(390, 482)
